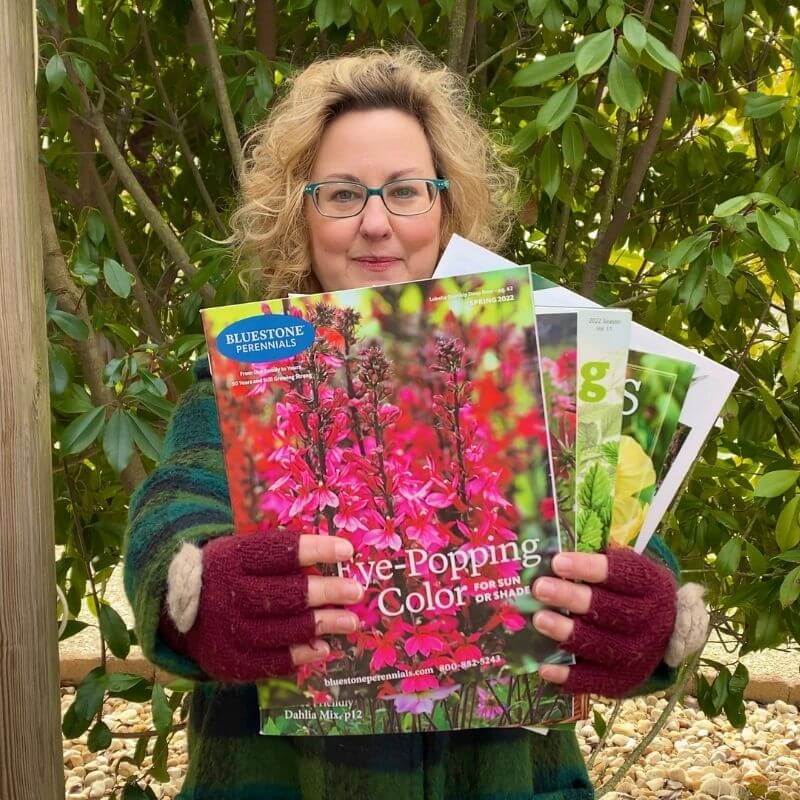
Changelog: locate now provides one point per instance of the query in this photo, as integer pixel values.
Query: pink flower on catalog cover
(384, 655)
(487, 706)
(419, 683)
(427, 530)
(421, 641)
(384, 537)
(511, 620)
(420, 702)
(350, 514)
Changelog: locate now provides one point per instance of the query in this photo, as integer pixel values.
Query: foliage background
(659, 148)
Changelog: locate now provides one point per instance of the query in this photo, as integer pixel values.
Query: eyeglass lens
(342, 199)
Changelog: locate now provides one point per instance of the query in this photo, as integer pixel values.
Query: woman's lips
(377, 265)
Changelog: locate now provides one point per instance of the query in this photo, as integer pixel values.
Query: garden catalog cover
(410, 419)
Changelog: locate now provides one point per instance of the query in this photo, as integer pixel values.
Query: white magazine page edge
(710, 387)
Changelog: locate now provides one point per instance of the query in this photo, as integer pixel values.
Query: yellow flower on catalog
(628, 518)
(634, 469)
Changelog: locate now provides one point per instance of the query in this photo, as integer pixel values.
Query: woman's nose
(375, 220)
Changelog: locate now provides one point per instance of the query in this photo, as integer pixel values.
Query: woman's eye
(343, 194)
(404, 192)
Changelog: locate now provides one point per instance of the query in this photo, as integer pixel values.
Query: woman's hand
(624, 614)
(252, 611)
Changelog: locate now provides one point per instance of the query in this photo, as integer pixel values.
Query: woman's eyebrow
(347, 177)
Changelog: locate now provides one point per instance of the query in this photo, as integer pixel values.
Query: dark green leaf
(543, 70)
(694, 287)
(55, 72)
(146, 439)
(118, 279)
(89, 695)
(661, 54)
(771, 231)
(599, 724)
(83, 430)
(73, 725)
(729, 556)
(733, 205)
(776, 483)
(114, 631)
(557, 109)
(787, 531)
(593, 51)
(790, 360)
(95, 226)
(74, 328)
(758, 105)
(118, 440)
(162, 713)
(790, 588)
(572, 145)
(550, 168)
(624, 86)
(99, 737)
(600, 139)
(634, 32)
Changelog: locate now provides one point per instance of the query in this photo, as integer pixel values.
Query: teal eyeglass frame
(441, 184)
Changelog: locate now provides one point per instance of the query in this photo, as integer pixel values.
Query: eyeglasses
(405, 197)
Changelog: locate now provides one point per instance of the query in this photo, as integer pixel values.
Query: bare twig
(605, 241)
(220, 89)
(177, 126)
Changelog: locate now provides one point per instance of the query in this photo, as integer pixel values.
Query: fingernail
(320, 647)
(564, 565)
(346, 622)
(343, 551)
(354, 591)
(543, 621)
(544, 589)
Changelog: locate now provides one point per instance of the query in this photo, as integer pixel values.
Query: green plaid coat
(186, 498)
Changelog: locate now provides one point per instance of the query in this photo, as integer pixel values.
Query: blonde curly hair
(269, 223)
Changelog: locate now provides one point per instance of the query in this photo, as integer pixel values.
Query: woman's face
(375, 247)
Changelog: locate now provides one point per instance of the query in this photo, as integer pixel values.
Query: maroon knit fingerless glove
(622, 638)
(253, 605)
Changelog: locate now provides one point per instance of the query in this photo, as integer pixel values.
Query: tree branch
(220, 89)
(160, 227)
(177, 126)
(92, 184)
(605, 241)
(266, 28)
(70, 298)
(462, 29)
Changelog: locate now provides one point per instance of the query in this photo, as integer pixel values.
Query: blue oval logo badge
(265, 337)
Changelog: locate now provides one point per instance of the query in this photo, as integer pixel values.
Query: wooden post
(31, 765)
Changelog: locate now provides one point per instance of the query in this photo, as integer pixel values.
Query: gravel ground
(693, 757)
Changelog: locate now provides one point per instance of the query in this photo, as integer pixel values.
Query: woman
(320, 210)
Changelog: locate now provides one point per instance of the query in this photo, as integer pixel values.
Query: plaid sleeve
(184, 499)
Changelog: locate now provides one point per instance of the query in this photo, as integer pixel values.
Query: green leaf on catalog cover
(593, 51)
(114, 631)
(118, 440)
(83, 430)
(610, 452)
(787, 531)
(590, 531)
(543, 70)
(624, 86)
(776, 483)
(595, 488)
